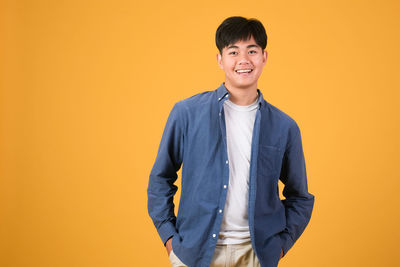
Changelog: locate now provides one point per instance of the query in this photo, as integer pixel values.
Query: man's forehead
(236, 46)
(248, 43)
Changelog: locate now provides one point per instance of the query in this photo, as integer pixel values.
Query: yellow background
(86, 88)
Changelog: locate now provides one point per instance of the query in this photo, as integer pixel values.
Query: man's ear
(219, 60)
(265, 56)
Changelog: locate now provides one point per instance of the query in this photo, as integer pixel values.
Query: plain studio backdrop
(86, 88)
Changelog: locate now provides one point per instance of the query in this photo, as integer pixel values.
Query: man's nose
(243, 58)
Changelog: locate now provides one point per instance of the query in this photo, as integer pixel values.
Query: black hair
(237, 28)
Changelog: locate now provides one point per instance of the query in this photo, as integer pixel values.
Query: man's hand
(281, 254)
(168, 246)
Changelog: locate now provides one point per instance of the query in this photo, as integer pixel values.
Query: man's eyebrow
(249, 46)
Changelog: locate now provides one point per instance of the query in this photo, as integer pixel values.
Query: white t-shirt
(239, 122)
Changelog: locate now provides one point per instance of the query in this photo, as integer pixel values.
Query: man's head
(241, 43)
(235, 29)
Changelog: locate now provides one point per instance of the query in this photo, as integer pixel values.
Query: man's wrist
(168, 245)
(167, 241)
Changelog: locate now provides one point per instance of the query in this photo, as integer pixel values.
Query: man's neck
(242, 97)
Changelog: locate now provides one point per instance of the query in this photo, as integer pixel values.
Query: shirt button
(220, 211)
(224, 185)
(226, 162)
(220, 113)
(214, 235)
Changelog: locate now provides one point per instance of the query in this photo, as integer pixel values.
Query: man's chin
(240, 84)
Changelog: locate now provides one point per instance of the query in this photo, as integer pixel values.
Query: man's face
(242, 63)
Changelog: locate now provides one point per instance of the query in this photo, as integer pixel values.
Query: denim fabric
(194, 138)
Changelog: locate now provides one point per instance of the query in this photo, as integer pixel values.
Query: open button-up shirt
(195, 138)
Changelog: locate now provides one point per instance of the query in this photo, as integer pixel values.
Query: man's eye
(253, 52)
(231, 53)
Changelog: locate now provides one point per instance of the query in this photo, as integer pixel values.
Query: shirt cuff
(287, 242)
(166, 231)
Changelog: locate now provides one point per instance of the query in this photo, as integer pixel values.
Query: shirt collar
(223, 94)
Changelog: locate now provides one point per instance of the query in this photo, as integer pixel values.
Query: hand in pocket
(168, 246)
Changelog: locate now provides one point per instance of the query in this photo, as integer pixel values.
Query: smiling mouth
(244, 71)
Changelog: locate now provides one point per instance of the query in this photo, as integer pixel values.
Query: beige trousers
(237, 255)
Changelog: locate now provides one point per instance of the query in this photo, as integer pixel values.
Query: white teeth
(243, 71)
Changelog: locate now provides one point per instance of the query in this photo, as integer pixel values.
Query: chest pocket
(270, 161)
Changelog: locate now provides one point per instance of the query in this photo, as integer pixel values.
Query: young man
(233, 147)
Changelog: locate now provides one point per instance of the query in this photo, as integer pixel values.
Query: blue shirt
(195, 138)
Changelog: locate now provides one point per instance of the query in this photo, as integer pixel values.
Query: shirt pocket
(270, 161)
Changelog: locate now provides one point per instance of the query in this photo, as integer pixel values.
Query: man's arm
(161, 188)
(298, 202)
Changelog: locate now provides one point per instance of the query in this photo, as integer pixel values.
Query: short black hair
(238, 28)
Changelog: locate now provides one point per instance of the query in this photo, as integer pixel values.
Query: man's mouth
(244, 71)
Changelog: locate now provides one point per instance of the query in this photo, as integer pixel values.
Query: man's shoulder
(281, 116)
(197, 100)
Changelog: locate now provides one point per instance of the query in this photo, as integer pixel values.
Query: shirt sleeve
(161, 188)
(298, 201)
